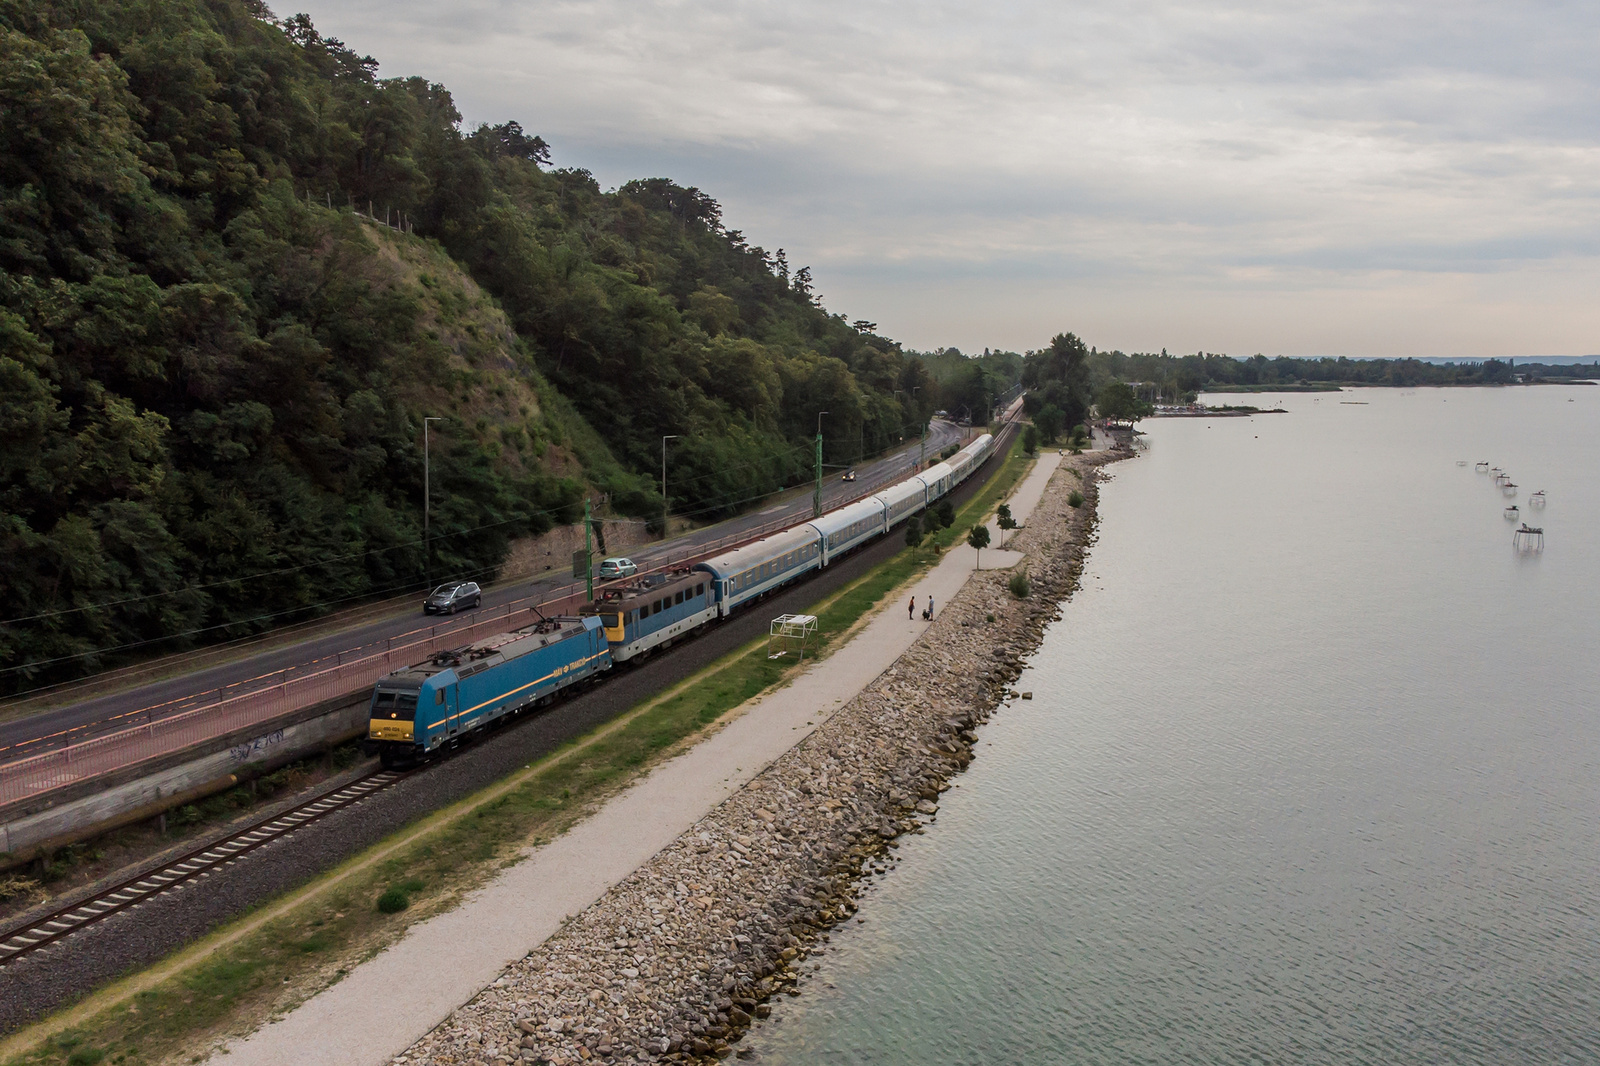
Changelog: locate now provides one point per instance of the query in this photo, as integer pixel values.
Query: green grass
(245, 977)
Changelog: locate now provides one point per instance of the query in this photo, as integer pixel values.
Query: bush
(1019, 585)
(1030, 440)
(913, 532)
(946, 513)
(1076, 499)
(393, 901)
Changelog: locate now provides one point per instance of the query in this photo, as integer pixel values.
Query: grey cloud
(1357, 149)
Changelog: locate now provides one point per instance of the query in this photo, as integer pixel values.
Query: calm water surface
(1309, 775)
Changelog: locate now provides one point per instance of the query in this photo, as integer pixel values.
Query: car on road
(453, 596)
(618, 567)
(849, 475)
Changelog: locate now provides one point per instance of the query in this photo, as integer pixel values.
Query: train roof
(978, 444)
(911, 487)
(833, 521)
(490, 650)
(646, 587)
(934, 473)
(732, 562)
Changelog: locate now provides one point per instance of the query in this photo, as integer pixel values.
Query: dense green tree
(1117, 402)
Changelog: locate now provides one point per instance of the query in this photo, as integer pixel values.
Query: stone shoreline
(676, 962)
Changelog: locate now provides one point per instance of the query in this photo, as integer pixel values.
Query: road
(68, 724)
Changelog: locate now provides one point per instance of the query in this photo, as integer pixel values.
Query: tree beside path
(978, 539)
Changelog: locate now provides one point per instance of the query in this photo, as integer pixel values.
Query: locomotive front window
(399, 706)
(611, 621)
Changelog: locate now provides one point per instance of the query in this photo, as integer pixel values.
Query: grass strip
(284, 952)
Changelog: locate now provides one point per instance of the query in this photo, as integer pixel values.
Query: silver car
(453, 596)
(617, 567)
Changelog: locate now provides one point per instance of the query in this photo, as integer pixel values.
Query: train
(417, 711)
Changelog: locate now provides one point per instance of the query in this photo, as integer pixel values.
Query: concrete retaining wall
(191, 775)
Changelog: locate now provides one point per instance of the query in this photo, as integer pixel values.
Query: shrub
(947, 514)
(1030, 440)
(393, 901)
(1019, 585)
(1076, 499)
(913, 532)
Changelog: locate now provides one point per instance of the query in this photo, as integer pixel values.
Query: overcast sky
(1299, 178)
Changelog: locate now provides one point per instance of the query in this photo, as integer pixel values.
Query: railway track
(47, 929)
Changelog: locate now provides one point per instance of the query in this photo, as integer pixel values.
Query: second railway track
(47, 929)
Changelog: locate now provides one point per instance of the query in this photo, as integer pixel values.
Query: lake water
(1309, 775)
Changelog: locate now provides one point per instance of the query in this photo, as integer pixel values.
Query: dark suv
(452, 597)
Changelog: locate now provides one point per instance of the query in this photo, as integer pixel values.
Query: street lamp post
(816, 497)
(922, 453)
(664, 506)
(427, 502)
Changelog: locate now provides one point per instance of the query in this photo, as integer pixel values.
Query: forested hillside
(213, 371)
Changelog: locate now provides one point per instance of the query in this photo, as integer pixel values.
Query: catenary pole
(816, 496)
(664, 504)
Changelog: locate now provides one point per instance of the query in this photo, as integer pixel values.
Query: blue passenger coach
(849, 527)
(937, 478)
(745, 573)
(418, 709)
(904, 499)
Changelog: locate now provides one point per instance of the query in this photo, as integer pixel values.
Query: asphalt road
(157, 699)
(41, 982)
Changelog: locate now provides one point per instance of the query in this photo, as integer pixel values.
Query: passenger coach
(745, 573)
(849, 527)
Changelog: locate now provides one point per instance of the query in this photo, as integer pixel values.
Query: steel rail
(36, 933)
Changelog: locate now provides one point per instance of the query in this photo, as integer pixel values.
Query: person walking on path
(911, 609)
(930, 608)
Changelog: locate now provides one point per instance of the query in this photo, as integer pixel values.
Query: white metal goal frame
(790, 633)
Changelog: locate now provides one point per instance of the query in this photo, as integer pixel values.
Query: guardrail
(293, 688)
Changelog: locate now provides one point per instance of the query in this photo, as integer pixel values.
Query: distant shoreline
(1340, 386)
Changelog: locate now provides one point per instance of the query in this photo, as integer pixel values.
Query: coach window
(677, 597)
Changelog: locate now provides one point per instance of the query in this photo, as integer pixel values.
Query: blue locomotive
(422, 708)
